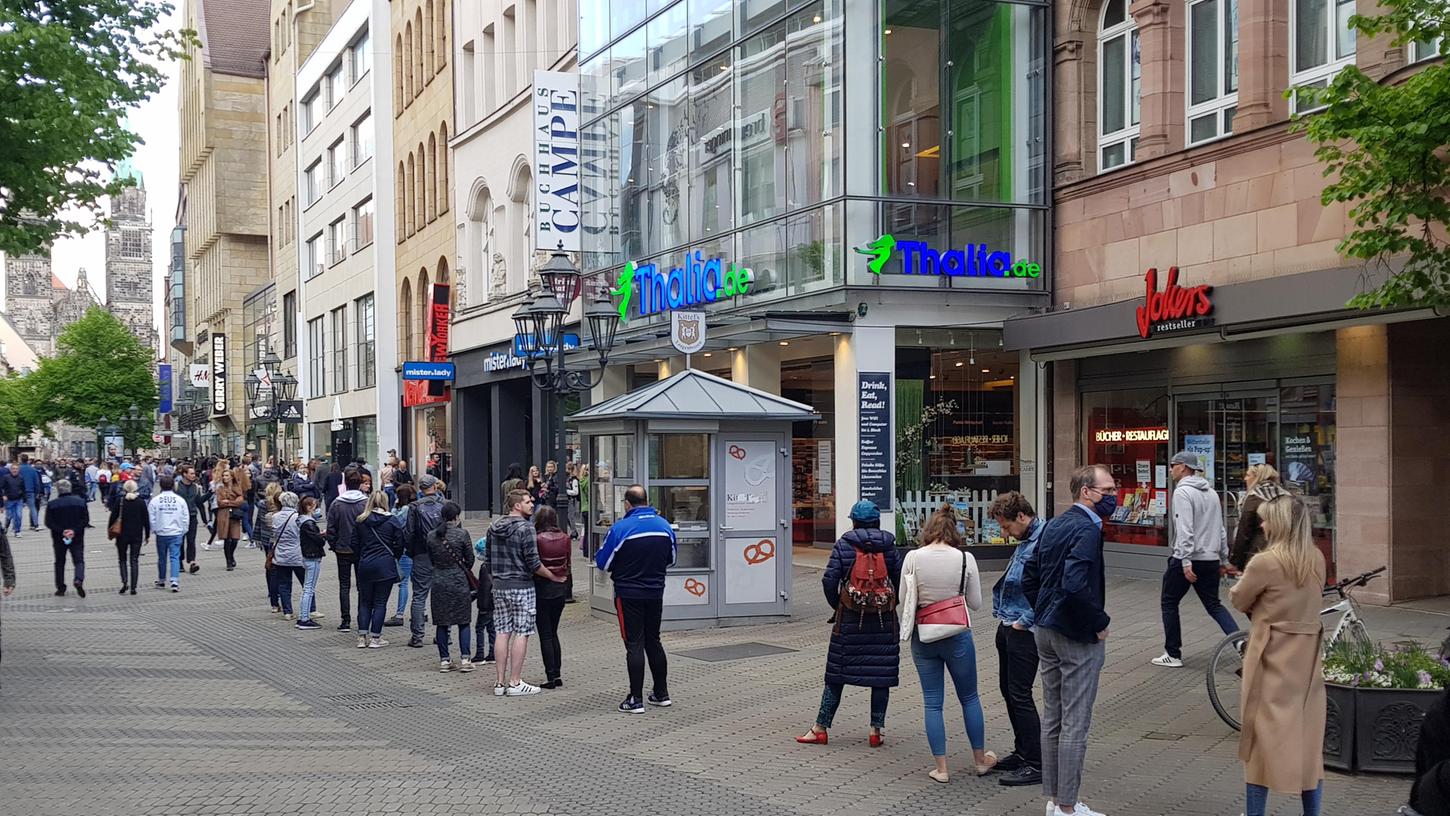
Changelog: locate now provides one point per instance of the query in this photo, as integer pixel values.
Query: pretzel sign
(695, 587)
(760, 552)
(737, 452)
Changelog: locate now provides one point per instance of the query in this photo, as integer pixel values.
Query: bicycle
(1226, 666)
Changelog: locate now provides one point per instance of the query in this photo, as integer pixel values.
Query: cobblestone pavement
(205, 703)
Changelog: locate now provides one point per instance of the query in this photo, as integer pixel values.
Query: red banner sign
(1175, 308)
(428, 392)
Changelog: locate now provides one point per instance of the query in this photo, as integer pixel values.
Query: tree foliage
(100, 370)
(69, 71)
(1383, 145)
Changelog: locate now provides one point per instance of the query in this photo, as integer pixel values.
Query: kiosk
(715, 458)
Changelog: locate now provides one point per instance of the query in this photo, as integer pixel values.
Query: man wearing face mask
(1064, 581)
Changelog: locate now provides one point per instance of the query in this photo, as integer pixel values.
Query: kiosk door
(754, 524)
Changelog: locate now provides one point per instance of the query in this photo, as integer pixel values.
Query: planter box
(1387, 727)
(1339, 727)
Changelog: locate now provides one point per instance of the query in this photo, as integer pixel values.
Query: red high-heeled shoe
(813, 738)
(875, 740)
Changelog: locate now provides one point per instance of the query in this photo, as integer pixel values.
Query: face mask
(1105, 506)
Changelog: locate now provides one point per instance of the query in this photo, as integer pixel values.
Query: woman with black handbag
(231, 495)
(378, 542)
(454, 584)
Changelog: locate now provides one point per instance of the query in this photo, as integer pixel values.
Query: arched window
(408, 74)
(420, 199)
(400, 199)
(432, 177)
(405, 321)
(1213, 68)
(418, 52)
(411, 213)
(397, 75)
(1119, 83)
(521, 213)
(442, 30)
(441, 276)
(444, 189)
(428, 61)
(425, 297)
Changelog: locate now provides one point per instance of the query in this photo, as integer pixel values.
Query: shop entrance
(1229, 434)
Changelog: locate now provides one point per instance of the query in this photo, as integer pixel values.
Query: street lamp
(539, 336)
(265, 402)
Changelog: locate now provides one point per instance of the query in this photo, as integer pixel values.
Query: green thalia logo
(973, 261)
(880, 251)
(697, 281)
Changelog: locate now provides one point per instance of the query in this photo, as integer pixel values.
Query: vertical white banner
(558, 216)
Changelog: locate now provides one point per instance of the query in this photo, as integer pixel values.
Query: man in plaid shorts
(513, 561)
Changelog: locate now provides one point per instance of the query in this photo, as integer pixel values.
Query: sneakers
(377, 643)
(465, 665)
(175, 587)
(362, 641)
(499, 690)
(522, 689)
(1079, 810)
(445, 665)
(308, 624)
(287, 616)
(276, 609)
(344, 626)
(661, 700)
(631, 705)
(1024, 775)
(396, 620)
(1011, 762)
(80, 589)
(159, 585)
(1167, 661)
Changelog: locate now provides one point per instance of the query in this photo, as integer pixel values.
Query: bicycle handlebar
(1357, 581)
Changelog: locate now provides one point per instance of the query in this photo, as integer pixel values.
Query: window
(359, 55)
(309, 111)
(335, 86)
(339, 350)
(1213, 68)
(312, 260)
(289, 325)
(133, 244)
(336, 246)
(362, 224)
(1425, 50)
(316, 364)
(362, 139)
(1321, 43)
(312, 182)
(366, 345)
(1120, 74)
(336, 164)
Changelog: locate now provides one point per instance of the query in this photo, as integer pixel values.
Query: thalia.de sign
(973, 261)
(698, 281)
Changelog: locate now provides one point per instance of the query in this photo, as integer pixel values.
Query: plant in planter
(1376, 700)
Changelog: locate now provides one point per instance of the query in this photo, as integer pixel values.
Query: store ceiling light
(888, 32)
(906, 145)
(724, 67)
(932, 377)
(816, 19)
(733, 348)
(960, 364)
(986, 371)
(785, 342)
(709, 354)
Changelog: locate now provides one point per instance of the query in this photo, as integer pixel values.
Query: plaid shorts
(513, 611)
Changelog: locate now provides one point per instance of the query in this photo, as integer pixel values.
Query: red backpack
(868, 588)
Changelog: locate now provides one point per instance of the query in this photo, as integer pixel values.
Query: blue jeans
(392, 495)
(1256, 800)
(312, 568)
(32, 500)
(247, 518)
(831, 700)
(168, 551)
(14, 512)
(372, 606)
(90, 491)
(282, 576)
(405, 569)
(958, 655)
(465, 641)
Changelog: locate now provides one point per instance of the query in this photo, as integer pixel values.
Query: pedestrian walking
(284, 561)
(450, 549)
(331, 485)
(535, 485)
(486, 633)
(941, 585)
(268, 505)
(31, 479)
(1430, 792)
(572, 491)
(864, 650)
(67, 519)
(314, 549)
(378, 542)
(1283, 704)
(304, 481)
(170, 517)
(7, 568)
(555, 547)
(1263, 486)
(92, 471)
(341, 516)
(424, 515)
(513, 480)
(13, 488)
(1016, 647)
(129, 526)
(191, 492)
(402, 498)
(513, 561)
(231, 499)
(639, 549)
(1200, 555)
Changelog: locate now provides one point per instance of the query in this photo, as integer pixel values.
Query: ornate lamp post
(264, 396)
(539, 335)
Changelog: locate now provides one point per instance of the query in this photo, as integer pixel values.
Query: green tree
(19, 405)
(100, 370)
(1383, 145)
(69, 71)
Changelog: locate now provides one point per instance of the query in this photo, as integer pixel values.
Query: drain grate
(1159, 735)
(365, 701)
(735, 651)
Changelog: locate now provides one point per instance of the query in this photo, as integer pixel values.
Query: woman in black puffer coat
(451, 549)
(865, 649)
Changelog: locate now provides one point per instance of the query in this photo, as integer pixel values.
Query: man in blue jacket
(31, 477)
(1064, 580)
(638, 550)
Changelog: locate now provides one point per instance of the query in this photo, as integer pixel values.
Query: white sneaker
(1051, 808)
(445, 666)
(499, 690)
(362, 641)
(287, 616)
(1079, 810)
(1167, 661)
(377, 643)
(521, 689)
(465, 665)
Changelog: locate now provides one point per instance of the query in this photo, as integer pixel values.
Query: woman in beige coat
(1283, 704)
(231, 494)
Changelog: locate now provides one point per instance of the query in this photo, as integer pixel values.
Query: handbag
(458, 562)
(943, 619)
(114, 530)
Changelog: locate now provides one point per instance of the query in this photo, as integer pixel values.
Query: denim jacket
(1009, 602)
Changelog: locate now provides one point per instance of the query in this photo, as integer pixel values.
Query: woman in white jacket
(940, 579)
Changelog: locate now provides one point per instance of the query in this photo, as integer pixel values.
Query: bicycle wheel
(1225, 677)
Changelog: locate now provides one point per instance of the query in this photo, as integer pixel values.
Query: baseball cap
(1186, 458)
(865, 511)
(427, 480)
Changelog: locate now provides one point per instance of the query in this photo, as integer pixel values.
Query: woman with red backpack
(860, 584)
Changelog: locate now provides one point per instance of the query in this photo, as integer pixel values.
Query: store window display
(1127, 432)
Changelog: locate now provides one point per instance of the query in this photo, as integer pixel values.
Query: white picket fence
(916, 506)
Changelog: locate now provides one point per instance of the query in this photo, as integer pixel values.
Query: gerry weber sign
(218, 374)
(1175, 308)
(698, 282)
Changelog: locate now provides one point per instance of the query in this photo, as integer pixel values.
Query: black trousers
(188, 544)
(77, 550)
(550, 610)
(639, 626)
(1175, 586)
(126, 555)
(346, 566)
(1017, 657)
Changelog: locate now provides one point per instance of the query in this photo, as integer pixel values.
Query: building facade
(29, 300)
(422, 124)
(347, 266)
(223, 170)
(1200, 301)
(129, 272)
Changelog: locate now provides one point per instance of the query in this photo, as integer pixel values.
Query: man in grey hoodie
(1200, 555)
(513, 561)
(341, 516)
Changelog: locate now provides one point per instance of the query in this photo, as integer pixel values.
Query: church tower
(128, 259)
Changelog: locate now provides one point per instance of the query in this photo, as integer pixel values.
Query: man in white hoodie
(170, 519)
(1200, 553)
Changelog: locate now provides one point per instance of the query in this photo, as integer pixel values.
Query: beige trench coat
(1282, 703)
(226, 499)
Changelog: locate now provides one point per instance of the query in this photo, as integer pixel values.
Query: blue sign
(571, 342)
(428, 371)
(163, 382)
(919, 258)
(698, 282)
